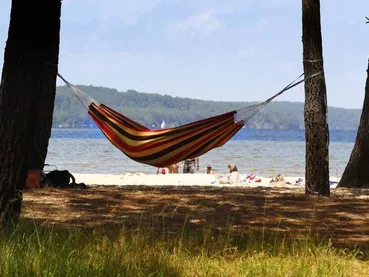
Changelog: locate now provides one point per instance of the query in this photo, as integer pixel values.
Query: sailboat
(163, 125)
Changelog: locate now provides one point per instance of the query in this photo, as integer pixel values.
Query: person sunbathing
(278, 180)
(233, 178)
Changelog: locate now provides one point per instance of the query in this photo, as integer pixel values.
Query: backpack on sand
(61, 179)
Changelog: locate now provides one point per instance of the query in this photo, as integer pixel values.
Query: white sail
(162, 124)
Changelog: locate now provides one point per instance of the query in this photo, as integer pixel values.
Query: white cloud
(126, 11)
(204, 23)
(129, 11)
(218, 6)
(248, 53)
(93, 19)
(221, 7)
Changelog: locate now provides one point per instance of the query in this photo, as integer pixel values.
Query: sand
(197, 179)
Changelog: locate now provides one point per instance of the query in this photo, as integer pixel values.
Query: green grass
(36, 251)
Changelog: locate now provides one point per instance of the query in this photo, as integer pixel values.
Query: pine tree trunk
(27, 95)
(315, 111)
(42, 107)
(356, 174)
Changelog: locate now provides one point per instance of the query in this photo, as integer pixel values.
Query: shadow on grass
(343, 218)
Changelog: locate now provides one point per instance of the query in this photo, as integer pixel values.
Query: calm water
(264, 152)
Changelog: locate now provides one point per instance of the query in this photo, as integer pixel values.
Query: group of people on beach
(232, 177)
(192, 165)
(189, 166)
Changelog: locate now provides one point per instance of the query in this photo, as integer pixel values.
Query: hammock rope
(164, 147)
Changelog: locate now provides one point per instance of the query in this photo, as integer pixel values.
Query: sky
(234, 50)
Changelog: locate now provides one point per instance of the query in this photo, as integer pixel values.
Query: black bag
(61, 179)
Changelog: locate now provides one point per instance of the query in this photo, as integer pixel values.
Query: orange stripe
(157, 141)
(140, 146)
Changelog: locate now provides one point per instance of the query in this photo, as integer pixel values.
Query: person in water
(209, 170)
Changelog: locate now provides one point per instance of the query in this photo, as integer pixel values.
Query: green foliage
(151, 109)
(39, 251)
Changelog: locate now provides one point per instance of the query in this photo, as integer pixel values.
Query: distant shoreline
(151, 110)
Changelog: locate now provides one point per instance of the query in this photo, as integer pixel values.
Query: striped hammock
(164, 147)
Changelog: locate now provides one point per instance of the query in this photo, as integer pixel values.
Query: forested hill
(151, 109)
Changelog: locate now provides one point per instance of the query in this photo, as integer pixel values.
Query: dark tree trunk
(27, 95)
(316, 127)
(356, 174)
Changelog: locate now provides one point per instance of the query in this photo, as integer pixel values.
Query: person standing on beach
(189, 165)
(174, 168)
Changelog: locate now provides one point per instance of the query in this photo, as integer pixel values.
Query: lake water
(264, 152)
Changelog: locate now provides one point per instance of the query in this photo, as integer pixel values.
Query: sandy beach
(197, 179)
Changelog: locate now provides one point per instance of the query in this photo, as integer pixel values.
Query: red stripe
(184, 153)
(119, 115)
(146, 146)
(220, 136)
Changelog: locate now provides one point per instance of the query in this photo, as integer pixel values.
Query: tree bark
(356, 174)
(315, 110)
(27, 93)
